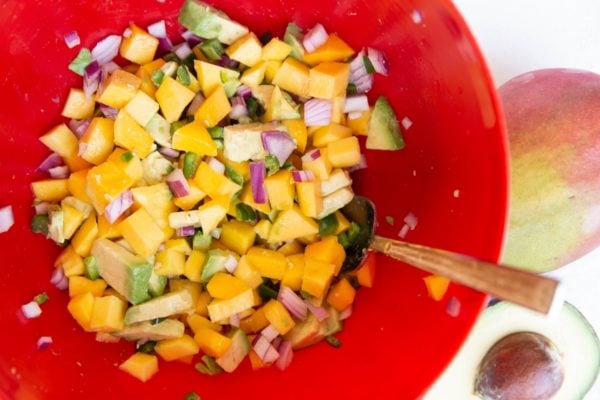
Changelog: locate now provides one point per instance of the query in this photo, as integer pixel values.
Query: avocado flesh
(384, 131)
(124, 271)
(210, 23)
(311, 331)
(240, 346)
(179, 302)
(167, 329)
(568, 330)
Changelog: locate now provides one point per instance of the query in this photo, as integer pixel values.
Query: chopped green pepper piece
(255, 109)
(201, 241)
(333, 341)
(157, 77)
(234, 175)
(208, 366)
(328, 225)
(39, 224)
(244, 212)
(41, 298)
(147, 347)
(81, 61)
(212, 49)
(191, 396)
(216, 132)
(183, 75)
(190, 164)
(272, 164)
(368, 65)
(266, 37)
(91, 268)
(177, 124)
(127, 156)
(351, 88)
(267, 292)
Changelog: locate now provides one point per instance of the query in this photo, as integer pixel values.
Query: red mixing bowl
(452, 175)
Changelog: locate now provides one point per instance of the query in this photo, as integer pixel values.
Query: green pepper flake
(208, 366)
(333, 341)
(389, 219)
(183, 75)
(91, 268)
(39, 224)
(272, 164)
(127, 156)
(157, 321)
(351, 89)
(147, 347)
(244, 212)
(216, 132)
(267, 292)
(328, 225)
(212, 49)
(190, 164)
(41, 298)
(255, 109)
(368, 65)
(192, 396)
(157, 77)
(234, 175)
(81, 61)
(266, 37)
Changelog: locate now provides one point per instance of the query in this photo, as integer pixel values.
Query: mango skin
(553, 123)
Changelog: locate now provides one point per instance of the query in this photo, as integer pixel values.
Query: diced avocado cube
(209, 23)
(214, 263)
(124, 271)
(157, 284)
(167, 329)
(293, 37)
(240, 346)
(160, 130)
(166, 305)
(91, 268)
(384, 130)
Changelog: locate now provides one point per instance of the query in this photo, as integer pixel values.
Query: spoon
(526, 289)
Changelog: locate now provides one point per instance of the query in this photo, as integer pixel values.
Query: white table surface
(517, 36)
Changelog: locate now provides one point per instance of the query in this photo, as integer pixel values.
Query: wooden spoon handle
(507, 283)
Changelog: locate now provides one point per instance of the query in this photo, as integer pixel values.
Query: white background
(517, 36)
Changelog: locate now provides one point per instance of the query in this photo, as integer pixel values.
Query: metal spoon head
(361, 211)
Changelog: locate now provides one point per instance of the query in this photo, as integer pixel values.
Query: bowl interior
(452, 175)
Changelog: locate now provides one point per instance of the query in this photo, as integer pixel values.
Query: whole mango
(553, 122)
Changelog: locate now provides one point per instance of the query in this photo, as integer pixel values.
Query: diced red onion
(72, 39)
(314, 38)
(44, 342)
(359, 75)
(91, 78)
(292, 302)
(53, 160)
(59, 279)
(319, 312)
(60, 172)
(379, 61)
(416, 16)
(356, 103)
(230, 264)
(406, 122)
(79, 126)
(276, 342)
(168, 152)
(354, 115)
(185, 231)
(357, 65)
(362, 164)
(278, 143)
(364, 84)
(182, 51)
(453, 307)
(271, 355)
(244, 91)
(269, 333)
(257, 182)
(411, 220)
(109, 68)
(192, 39)
(31, 310)
(42, 208)
(238, 108)
(164, 46)
(108, 111)
(312, 155)
(178, 184)
(317, 112)
(234, 320)
(195, 104)
(216, 165)
(404, 231)
(286, 354)
(303, 176)
(118, 206)
(216, 233)
(227, 62)
(157, 29)
(7, 218)
(346, 313)
(106, 49)
(261, 346)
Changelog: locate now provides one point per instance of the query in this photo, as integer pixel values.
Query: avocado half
(568, 330)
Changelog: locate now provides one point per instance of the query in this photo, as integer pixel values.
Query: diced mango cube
(328, 80)
(107, 230)
(144, 72)
(70, 262)
(329, 250)
(129, 162)
(269, 263)
(156, 199)
(334, 49)
(212, 213)
(192, 268)
(61, 140)
(341, 295)
(262, 228)
(173, 98)
(108, 314)
(330, 133)
(248, 273)
(81, 308)
(211, 76)
(297, 130)
(139, 47)
(213, 183)
(294, 272)
(196, 321)
(181, 245)
(238, 236)
(437, 286)
(291, 247)
(195, 138)
(366, 273)
(141, 232)
(246, 50)
(317, 277)
(321, 166)
(78, 105)
(211, 342)
(98, 140)
(173, 349)
(76, 185)
(256, 322)
(214, 108)
(276, 50)
(278, 316)
(271, 68)
(220, 310)
(142, 108)
(293, 76)
(85, 236)
(192, 199)
(118, 89)
(281, 106)
(344, 153)
(309, 198)
(141, 365)
(248, 199)
(255, 75)
(224, 286)
(50, 189)
(292, 224)
(72, 218)
(104, 183)
(202, 305)
(169, 262)
(360, 125)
